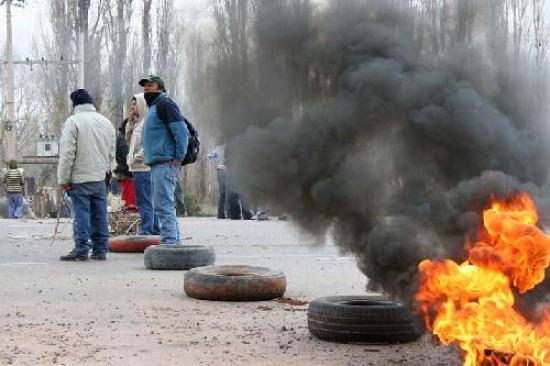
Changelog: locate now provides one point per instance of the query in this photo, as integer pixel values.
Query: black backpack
(193, 144)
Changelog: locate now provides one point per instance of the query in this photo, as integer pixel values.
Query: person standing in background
(14, 183)
(142, 173)
(122, 172)
(216, 157)
(237, 207)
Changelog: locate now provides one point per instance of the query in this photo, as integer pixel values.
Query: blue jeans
(90, 217)
(15, 206)
(144, 200)
(165, 178)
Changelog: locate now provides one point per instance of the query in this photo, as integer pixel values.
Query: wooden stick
(58, 216)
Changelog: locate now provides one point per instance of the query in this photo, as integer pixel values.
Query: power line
(43, 62)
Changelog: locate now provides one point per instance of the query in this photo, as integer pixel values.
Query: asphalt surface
(119, 313)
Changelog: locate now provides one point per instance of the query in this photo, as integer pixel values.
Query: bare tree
(519, 10)
(117, 20)
(93, 67)
(280, 64)
(168, 42)
(31, 119)
(233, 73)
(57, 81)
(465, 15)
(539, 31)
(146, 30)
(199, 102)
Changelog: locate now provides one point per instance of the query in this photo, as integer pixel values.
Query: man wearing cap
(86, 151)
(165, 138)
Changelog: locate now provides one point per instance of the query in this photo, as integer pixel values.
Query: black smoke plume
(395, 152)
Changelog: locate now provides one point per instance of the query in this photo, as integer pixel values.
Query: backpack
(193, 144)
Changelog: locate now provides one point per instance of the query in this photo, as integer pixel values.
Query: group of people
(156, 137)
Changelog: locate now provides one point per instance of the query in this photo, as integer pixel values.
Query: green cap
(152, 78)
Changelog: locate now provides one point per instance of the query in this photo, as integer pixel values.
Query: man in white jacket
(86, 152)
(142, 173)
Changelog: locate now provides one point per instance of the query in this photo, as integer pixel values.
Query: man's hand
(66, 187)
(175, 163)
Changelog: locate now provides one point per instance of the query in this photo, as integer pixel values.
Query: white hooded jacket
(136, 157)
(87, 146)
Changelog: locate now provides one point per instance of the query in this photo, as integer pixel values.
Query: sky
(34, 10)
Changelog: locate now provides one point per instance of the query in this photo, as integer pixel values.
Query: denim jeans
(165, 177)
(90, 217)
(144, 199)
(15, 205)
(238, 205)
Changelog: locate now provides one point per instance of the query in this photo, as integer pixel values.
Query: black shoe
(74, 257)
(98, 257)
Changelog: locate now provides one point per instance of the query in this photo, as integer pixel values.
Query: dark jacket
(122, 170)
(165, 135)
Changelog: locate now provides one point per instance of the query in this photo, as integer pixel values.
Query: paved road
(119, 313)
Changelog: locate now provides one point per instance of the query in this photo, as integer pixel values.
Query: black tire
(181, 257)
(360, 319)
(234, 283)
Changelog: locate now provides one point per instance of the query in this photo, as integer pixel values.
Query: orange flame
(473, 303)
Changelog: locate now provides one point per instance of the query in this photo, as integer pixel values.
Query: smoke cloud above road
(394, 152)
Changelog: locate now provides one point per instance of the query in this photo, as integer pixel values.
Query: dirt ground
(119, 313)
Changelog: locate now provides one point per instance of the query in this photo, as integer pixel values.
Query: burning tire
(181, 257)
(132, 243)
(234, 283)
(369, 319)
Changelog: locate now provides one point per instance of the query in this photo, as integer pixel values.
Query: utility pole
(83, 6)
(8, 138)
(82, 28)
(9, 142)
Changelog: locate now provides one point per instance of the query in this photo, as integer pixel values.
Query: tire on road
(181, 257)
(234, 283)
(132, 243)
(360, 319)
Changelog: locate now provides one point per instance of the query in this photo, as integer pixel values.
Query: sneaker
(73, 257)
(98, 257)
